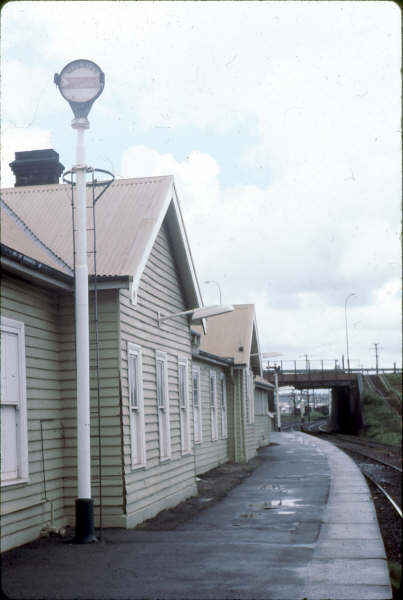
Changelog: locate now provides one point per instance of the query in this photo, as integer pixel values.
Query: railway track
(368, 449)
(384, 492)
(385, 454)
(384, 480)
(381, 465)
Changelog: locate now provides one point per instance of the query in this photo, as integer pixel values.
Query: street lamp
(198, 314)
(217, 284)
(345, 315)
(80, 83)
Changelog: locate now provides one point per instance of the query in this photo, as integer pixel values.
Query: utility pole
(345, 316)
(376, 344)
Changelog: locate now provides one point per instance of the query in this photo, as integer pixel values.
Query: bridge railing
(322, 365)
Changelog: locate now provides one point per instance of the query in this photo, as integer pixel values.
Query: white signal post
(80, 83)
(82, 319)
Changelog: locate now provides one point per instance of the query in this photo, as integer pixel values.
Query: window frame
(197, 409)
(137, 426)
(213, 405)
(250, 392)
(17, 328)
(184, 405)
(163, 407)
(224, 406)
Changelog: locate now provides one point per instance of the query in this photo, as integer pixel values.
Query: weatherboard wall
(237, 418)
(262, 419)
(23, 507)
(242, 442)
(210, 453)
(249, 421)
(106, 422)
(159, 484)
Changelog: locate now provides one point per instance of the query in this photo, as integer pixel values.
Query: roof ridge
(22, 225)
(50, 187)
(146, 179)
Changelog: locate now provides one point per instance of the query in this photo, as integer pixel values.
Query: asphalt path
(302, 526)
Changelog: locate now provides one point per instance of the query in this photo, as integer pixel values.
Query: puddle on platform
(273, 486)
(283, 503)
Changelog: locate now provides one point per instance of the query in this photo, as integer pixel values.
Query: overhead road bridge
(346, 386)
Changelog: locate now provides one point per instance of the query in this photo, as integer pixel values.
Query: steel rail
(384, 492)
(340, 442)
(378, 460)
(370, 443)
(289, 425)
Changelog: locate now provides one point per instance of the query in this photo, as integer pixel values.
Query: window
(261, 405)
(14, 432)
(184, 404)
(249, 392)
(197, 414)
(163, 405)
(161, 390)
(213, 406)
(136, 405)
(258, 403)
(224, 426)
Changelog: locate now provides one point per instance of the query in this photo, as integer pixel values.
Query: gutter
(264, 386)
(26, 267)
(213, 358)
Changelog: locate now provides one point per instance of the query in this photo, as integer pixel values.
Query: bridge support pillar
(346, 414)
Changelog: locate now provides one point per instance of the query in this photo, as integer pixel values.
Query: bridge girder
(346, 413)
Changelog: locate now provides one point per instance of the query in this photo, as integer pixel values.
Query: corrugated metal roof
(231, 334)
(127, 216)
(261, 382)
(12, 235)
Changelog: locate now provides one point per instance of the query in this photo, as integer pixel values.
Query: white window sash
(133, 380)
(163, 405)
(14, 427)
(213, 406)
(250, 391)
(160, 383)
(183, 372)
(136, 405)
(224, 425)
(197, 413)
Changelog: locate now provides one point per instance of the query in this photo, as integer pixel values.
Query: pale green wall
(209, 453)
(159, 485)
(23, 510)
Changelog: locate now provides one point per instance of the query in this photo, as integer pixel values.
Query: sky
(280, 122)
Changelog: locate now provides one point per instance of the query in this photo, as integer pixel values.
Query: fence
(293, 366)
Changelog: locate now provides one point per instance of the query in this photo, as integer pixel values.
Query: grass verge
(381, 422)
(395, 574)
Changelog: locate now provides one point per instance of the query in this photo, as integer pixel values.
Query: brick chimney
(36, 167)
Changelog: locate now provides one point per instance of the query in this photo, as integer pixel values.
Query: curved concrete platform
(302, 526)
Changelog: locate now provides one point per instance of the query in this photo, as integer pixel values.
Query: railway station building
(167, 403)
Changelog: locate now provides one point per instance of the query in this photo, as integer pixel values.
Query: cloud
(309, 211)
(288, 258)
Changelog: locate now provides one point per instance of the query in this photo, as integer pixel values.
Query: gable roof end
(129, 217)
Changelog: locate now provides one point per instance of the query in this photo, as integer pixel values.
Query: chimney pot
(36, 167)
